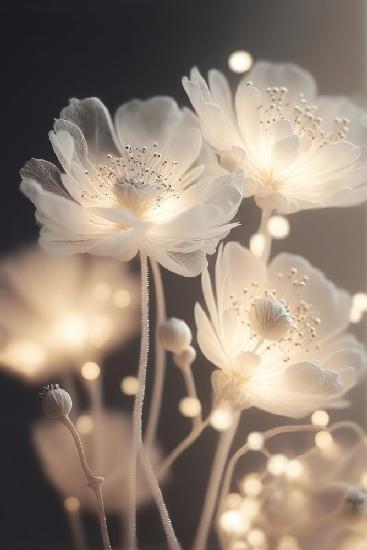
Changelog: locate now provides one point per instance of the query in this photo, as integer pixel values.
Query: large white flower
(277, 334)
(131, 186)
(298, 150)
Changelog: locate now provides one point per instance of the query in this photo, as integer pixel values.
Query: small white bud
(185, 358)
(56, 402)
(175, 335)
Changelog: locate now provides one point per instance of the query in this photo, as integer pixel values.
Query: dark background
(51, 51)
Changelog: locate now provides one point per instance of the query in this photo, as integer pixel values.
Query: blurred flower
(277, 334)
(131, 186)
(56, 312)
(105, 446)
(298, 150)
(326, 506)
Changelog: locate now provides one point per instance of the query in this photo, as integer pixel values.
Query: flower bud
(185, 358)
(175, 335)
(56, 402)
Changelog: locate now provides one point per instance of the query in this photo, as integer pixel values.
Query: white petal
(45, 174)
(298, 81)
(94, 121)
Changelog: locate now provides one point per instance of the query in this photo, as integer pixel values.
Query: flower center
(140, 179)
(269, 318)
(303, 117)
(279, 320)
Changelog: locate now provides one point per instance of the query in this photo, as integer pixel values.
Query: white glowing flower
(57, 312)
(105, 445)
(277, 334)
(131, 186)
(298, 150)
(326, 506)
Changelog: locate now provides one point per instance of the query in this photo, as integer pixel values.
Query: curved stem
(224, 445)
(137, 443)
(181, 447)
(93, 481)
(160, 358)
(273, 433)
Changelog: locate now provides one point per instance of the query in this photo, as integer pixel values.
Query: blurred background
(52, 51)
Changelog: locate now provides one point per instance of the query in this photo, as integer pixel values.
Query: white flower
(277, 334)
(56, 312)
(298, 150)
(56, 451)
(131, 186)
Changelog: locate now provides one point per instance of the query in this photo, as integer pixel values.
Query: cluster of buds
(175, 336)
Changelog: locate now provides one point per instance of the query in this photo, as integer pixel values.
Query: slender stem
(160, 359)
(77, 531)
(273, 433)
(181, 447)
(138, 403)
(94, 388)
(224, 445)
(93, 481)
(191, 392)
(265, 215)
(137, 443)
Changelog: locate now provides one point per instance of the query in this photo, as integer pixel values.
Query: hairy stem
(93, 481)
(224, 445)
(160, 359)
(137, 448)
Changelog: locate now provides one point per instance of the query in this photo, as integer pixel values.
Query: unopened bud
(56, 402)
(185, 358)
(175, 335)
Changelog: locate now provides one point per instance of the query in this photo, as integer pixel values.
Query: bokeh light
(240, 61)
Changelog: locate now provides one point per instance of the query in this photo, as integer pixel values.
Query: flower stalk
(224, 445)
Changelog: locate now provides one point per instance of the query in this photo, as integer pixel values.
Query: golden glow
(294, 469)
(72, 330)
(364, 480)
(256, 441)
(277, 464)
(256, 537)
(221, 419)
(25, 355)
(100, 331)
(233, 522)
(90, 370)
(320, 418)
(360, 301)
(250, 508)
(288, 543)
(324, 440)
(189, 407)
(240, 61)
(233, 500)
(252, 485)
(85, 424)
(257, 244)
(278, 227)
(355, 315)
(71, 504)
(121, 298)
(102, 291)
(129, 385)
